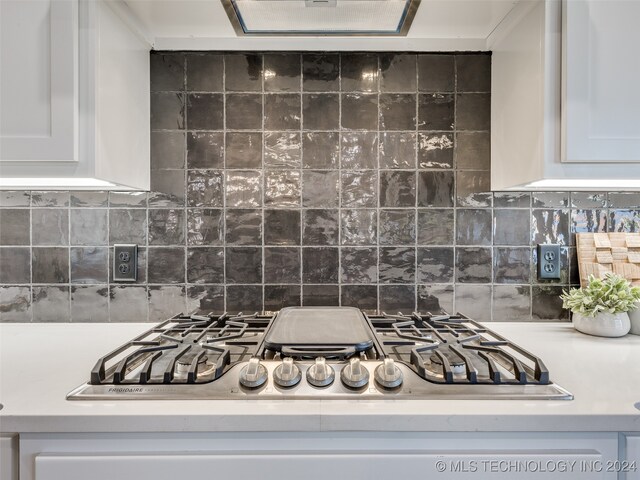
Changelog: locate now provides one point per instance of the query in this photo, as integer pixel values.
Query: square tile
(512, 265)
(166, 227)
(436, 299)
(473, 73)
(474, 301)
(205, 299)
(282, 188)
(204, 150)
(397, 150)
(243, 111)
(398, 72)
(359, 227)
(90, 303)
(167, 150)
(397, 227)
(89, 199)
(549, 199)
(546, 304)
(436, 73)
(244, 227)
(89, 264)
(511, 227)
(397, 265)
(205, 265)
(320, 227)
(320, 149)
(321, 111)
(359, 111)
(320, 188)
(243, 264)
(277, 297)
(127, 226)
(282, 227)
(435, 150)
(359, 189)
(167, 71)
(320, 265)
(15, 198)
(473, 188)
(364, 297)
(50, 304)
(167, 189)
(435, 226)
(511, 199)
(435, 188)
(205, 188)
(204, 226)
(282, 72)
(473, 265)
(320, 72)
(243, 189)
(320, 295)
(397, 298)
(243, 150)
(473, 226)
(397, 189)
(435, 265)
(205, 72)
(282, 150)
(359, 150)
(167, 111)
(359, 72)
(397, 111)
(623, 221)
(128, 303)
(436, 111)
(550, 226)
(15, 265)
(511, 303)
(49, 226)
(589, 200)
(50, 265)
(593, 221)
(473, 111)
(15, 227)
(282, 265)
(473, 151)
(166, 265)
(282, 111)
(15, 304)
(243, 72)
(164, 301)
(50, 199)
(359, 265)
(130, 199)
(244, 298)
(621, 200)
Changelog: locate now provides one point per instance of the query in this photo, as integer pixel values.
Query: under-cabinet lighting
(582, 184)
(67, 183)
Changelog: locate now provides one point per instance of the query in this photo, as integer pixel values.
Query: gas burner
(456, 363)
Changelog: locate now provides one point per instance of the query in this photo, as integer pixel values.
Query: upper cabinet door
(601, 74)
(38, 80)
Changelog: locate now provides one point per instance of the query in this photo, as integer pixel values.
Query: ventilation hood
(321, 17)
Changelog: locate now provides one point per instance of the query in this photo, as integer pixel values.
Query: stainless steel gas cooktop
(319, 353)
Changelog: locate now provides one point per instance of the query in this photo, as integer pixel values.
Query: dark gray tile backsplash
(304, 179)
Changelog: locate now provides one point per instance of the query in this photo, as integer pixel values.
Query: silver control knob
(320, 374)
(254, 374)
(354, 375)
(387, 374)
(287, 374)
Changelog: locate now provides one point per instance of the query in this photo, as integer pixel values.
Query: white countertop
(41, 363)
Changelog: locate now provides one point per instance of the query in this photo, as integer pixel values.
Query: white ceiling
(204, 25)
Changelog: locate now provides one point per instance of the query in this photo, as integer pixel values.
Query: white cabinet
(74, 88)
(317, 456)
(633, 457)
(8, 458)
(567, 121)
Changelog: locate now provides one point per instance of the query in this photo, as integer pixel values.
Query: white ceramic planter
(634, 317)
(603, 324)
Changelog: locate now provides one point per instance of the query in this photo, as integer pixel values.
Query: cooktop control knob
(287, 374)
(387, 374)
(254, 374)
(320, 374)
(354, 375)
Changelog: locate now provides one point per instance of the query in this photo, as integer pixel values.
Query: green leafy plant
(613, 294)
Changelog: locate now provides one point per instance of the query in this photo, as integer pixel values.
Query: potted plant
(601, 307)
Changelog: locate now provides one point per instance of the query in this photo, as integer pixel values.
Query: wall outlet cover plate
(548, 262)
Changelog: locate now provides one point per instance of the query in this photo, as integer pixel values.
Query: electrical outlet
(125, 263)
(548, 262)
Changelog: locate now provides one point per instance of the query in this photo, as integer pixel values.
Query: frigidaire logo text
(126, 389)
